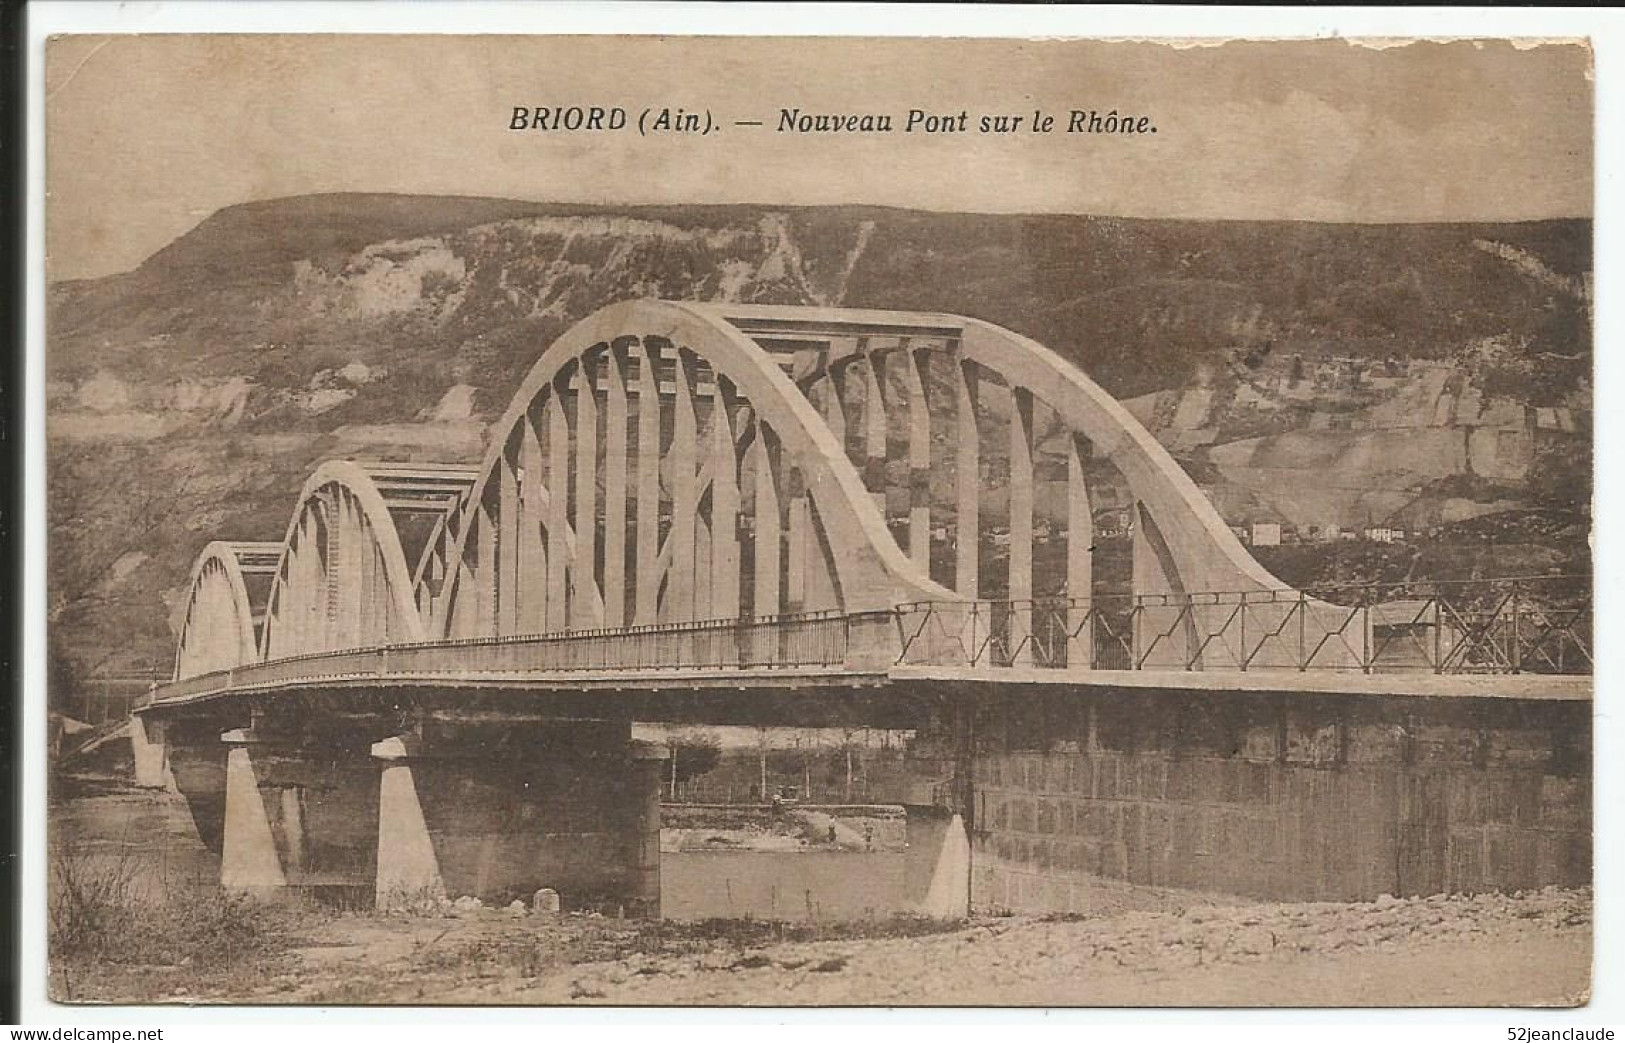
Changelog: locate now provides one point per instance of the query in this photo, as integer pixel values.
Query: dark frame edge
(13, 271)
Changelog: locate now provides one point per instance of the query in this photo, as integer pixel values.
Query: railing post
(1516, 658)
(1365, 638)
(1438, 631)
(1243, 638)
(1303, 631)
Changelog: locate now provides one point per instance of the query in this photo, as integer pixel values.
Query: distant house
(1384, 534)
(1266, 534)
(1330, 533)
(1112, 522)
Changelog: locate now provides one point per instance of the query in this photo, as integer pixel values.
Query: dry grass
(103, 922)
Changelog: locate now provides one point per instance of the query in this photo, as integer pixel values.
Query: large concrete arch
(869, 569)
(1189, 569)
(1205, 551)
(1209, 555)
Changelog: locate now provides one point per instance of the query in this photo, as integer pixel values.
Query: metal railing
(1501, 626)
(812, 640)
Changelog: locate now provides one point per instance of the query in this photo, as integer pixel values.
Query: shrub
(101, 914)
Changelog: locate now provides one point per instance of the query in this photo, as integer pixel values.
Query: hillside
(1316, 374)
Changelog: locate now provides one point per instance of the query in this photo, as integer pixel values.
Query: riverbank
(1488, 950)
(784, 916)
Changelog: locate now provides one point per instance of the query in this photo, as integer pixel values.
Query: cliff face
(1318, 374)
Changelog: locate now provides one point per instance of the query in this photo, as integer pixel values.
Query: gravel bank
(1487, 950)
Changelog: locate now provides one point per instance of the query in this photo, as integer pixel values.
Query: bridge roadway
(812, 654)
(832, 652)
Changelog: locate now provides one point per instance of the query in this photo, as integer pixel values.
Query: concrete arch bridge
(739, 513)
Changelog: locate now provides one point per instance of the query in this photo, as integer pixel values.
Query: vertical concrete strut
(583, 563)
(368, 624)
(354, 542)
(647, 608)
(766, 522)
(967, 482)
(685, 491)
(1021, 525)
(558, 485)
(798, 551)
(465, 607)
(485, 571)
(508, 542)
(919, 458)
(387, 631)
(308, 589)
(874, 423)
(285, 625)
(702, 555)
(724, 505)
(532, 579)
(149, 743)
(1080, 538)
(332, 565)
(833, 408)
(615, 430)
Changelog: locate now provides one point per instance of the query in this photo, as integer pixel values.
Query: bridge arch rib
(670, 462)
(988, 455)
(222, 618)
(725, 493)
(342, 580)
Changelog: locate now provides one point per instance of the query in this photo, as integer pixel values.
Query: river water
(150, 837)
(777, 885)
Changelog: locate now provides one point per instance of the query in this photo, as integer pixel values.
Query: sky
(148, 135)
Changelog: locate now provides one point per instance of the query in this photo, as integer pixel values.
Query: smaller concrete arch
(219, 625)
(342, 580)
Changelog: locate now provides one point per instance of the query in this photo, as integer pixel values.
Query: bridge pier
(299, 814)
(499, 814)
(150, 750)
(936, 868)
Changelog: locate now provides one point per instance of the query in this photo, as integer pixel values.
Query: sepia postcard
(813, 521)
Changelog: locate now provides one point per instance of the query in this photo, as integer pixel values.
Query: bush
(93, 905)
(100, 914)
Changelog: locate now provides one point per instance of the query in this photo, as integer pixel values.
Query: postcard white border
(1606, 29)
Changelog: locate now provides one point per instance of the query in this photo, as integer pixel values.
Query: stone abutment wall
(1285, 797)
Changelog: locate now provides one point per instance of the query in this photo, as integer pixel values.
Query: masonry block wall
(1287, 797)
(503, 827)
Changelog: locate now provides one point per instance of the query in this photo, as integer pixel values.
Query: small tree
(693, 753)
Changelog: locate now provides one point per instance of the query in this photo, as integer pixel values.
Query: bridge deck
(265, 680)
(1477, 642)
(1563, 687)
